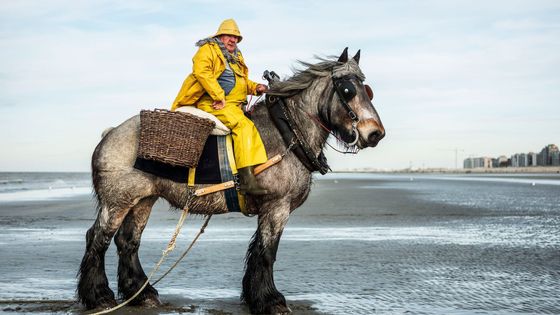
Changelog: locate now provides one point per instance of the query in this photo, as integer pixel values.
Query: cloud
(445, 74)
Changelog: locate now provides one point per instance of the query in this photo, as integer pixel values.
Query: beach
(362, 244)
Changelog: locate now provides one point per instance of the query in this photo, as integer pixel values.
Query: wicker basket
(172, 137)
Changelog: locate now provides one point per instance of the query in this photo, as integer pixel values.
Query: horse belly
(214, 203)
(178, 194)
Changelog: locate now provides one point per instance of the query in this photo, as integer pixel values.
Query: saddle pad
(207, 172)
(214, 167)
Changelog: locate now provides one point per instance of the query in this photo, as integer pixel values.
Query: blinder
(345, 88)
(346, 91)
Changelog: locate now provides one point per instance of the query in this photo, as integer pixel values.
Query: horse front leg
(259, 290)
(131, 276)
(93, 288)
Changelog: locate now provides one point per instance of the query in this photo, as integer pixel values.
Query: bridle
(346, 91)
(294, 138)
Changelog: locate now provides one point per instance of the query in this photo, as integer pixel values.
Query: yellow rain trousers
(247, 144)
(208, 64)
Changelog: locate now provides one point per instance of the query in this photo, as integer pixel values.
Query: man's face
(230, 42)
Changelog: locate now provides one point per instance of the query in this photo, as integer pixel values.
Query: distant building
(515, 160)
(468, 163)
(541, 158)
(480, 162)
(522, 160)
(531, 159)
(519, 160)
(486, 162)
(503, 161)
(555, 158)
(549, 156)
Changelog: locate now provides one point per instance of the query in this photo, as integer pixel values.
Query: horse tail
(95, 179)
(95, 174)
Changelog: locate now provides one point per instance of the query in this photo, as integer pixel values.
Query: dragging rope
(186, 251)
(169, 249)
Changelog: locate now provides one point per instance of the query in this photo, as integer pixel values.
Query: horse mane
(303, 78)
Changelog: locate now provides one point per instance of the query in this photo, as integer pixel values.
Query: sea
(43, 186)
(363, 243)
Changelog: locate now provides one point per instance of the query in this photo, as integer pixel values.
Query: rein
(320, 123)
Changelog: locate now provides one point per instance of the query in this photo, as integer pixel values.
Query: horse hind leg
(93, 287)
(131, 276)
(259, 290)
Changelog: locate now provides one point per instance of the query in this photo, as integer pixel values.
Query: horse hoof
(151, 302)
(280, 310)
(105, 305)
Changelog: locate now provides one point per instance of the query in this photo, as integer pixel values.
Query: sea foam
(44, 194)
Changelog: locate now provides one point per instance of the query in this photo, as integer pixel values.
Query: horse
(125, 195)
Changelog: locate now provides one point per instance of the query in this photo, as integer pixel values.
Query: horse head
(351, 113)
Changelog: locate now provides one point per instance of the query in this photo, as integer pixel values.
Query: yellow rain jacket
(201, 88)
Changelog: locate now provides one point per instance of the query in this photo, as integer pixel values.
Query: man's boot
(248, 184)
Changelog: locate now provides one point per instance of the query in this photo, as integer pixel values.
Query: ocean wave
(503, 235)
(43, 194)
(514, 180)
(16, 182)
(10, 181)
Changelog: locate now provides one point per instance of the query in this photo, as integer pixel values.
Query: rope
(170, 247)
(186, 251)
(250, 108)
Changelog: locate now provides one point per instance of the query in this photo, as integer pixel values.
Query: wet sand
(79, 213)
(386, 246)
(172, 305)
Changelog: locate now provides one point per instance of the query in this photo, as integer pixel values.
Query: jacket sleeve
(251, 87)
(203, 70)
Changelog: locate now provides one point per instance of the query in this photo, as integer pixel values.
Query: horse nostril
(375, 136)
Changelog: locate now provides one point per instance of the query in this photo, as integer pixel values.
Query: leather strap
(274, 160)
(284, 122)
(214, 188)
(230, 184)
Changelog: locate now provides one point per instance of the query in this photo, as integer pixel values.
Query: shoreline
(441, 170)
(480, 170)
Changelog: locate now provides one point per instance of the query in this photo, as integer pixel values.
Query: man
(219, 84)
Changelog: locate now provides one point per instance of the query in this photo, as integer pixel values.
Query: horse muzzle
(371, 132)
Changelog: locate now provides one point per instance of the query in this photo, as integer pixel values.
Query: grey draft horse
(125, 195)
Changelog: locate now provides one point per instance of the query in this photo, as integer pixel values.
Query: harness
(284, 122)
(292, 136)
(346, 91)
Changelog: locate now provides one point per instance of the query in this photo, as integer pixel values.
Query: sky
(452, 79)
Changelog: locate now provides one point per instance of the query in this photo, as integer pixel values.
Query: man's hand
(261, 88)
(219, 104)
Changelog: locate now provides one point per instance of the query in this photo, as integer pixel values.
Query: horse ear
(344, 56)
(357, 57)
